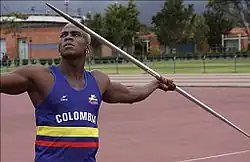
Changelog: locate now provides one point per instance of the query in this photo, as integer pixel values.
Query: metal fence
(189, 63)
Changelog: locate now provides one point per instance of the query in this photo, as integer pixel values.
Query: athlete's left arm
(119, 93)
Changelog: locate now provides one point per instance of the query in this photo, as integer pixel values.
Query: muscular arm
(118, 93)
(15, 82)
(114, 92)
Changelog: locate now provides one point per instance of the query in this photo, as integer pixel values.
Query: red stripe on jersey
(67, 144)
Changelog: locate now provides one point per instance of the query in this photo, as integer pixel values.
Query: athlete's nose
(68, 38)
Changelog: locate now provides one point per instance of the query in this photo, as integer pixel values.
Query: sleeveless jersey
(66, 122)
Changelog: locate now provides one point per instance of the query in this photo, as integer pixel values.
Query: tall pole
(239, 42)
(66, 3)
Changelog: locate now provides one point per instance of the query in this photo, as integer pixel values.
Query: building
(188, 47)
(37, 38)
(237, 39)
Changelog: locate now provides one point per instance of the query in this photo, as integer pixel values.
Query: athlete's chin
(71, 56)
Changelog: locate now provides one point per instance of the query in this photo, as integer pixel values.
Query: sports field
(241, 65)
(165, 127)
(182, 66)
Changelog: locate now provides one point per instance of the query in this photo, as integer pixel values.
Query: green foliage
(199, 29)
(144, 29)
(50, 61)
(115, 23)
(237, 10)
(33, 61)
(9, 62)
(17, 62)
(18, 15)
(25, 62)
(133, 25)
(171, 24)
(11, 26)
(218, 24)
(57, 61)
(155, 50)
(96, 23)
(121, 23)
(43, 61)
(118, 24)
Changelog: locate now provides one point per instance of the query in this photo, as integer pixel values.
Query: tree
(121, 23)
(171, 23)
(199, 30)
(96, 23)
(144, 29)
(11, 26)
(140, 45)
(239, 10)
(218, 24)
(133, 25)
(115, 23)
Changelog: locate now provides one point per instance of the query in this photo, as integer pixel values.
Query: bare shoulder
(30, 78)
(31, 70)
(99, 74)
(102, 79)
(35, 73)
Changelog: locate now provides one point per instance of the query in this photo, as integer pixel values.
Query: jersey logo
(64, 98)
(93, 99)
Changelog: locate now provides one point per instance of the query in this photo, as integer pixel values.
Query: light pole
(66, 3)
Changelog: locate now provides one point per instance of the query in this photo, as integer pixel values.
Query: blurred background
(171, 36)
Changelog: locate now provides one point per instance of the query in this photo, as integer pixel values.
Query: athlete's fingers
(169, 84)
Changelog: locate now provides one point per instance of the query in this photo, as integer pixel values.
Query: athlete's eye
(76, 34)
(64, 34)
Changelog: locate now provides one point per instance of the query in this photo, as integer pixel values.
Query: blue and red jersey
(66, 122)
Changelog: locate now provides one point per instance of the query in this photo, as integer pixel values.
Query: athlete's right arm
(16, 82)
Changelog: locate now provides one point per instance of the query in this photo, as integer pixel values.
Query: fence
(189, 63)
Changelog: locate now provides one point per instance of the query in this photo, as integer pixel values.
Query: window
(2, 47)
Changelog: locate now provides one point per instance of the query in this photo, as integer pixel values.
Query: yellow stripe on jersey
(67, 131)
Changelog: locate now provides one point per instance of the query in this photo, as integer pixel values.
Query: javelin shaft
(145, 68)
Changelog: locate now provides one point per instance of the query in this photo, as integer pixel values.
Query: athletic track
(166, 127)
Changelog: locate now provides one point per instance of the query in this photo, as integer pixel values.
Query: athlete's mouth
(68, 45)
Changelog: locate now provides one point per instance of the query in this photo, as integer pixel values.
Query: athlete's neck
(73, 68)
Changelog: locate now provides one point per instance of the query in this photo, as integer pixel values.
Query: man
(5, 59)
(67, 99)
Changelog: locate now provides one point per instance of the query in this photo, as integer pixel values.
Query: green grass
(181, 66)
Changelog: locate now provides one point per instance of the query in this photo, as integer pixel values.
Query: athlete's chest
(74, 95)
(76, 84)
(69, 100)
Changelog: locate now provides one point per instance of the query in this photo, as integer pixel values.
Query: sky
(147, 8)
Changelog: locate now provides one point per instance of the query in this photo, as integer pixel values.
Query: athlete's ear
(88, 49)
(59, 48)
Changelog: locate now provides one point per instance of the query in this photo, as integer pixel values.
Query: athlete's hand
(166, 84)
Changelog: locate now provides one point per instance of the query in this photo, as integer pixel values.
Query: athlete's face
(74, 42)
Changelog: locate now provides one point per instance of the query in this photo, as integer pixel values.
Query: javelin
(145, 68)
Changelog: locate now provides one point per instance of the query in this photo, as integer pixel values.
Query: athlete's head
(74, 42)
